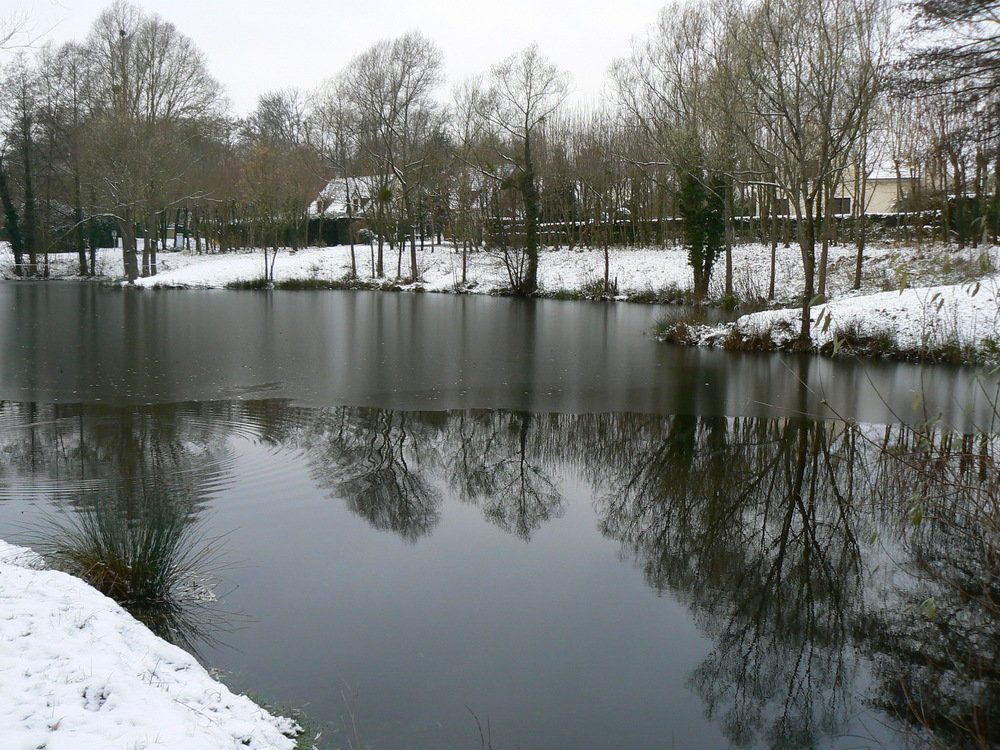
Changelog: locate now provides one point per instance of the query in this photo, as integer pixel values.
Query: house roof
(332, 199)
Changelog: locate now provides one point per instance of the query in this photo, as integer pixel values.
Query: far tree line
(728, 121)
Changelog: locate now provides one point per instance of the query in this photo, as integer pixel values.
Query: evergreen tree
(701, 209)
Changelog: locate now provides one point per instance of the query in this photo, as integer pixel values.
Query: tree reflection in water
(793, 542)
(129, 521)
(499, 464)
(751, 523)
(381, 463)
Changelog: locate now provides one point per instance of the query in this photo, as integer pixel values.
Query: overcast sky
(255, 46)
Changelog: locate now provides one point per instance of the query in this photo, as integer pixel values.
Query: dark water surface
(77, 343)
(526, 513)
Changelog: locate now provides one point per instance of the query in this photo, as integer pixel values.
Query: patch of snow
(77, 671)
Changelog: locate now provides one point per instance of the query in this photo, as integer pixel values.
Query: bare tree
(282, 126)
(15, 31)
(336, 125)
(668, 88)
(19, 89)
(281, 118)
(509, 107)
(66, 77)
(390, 86)
(152, 92)
(801, 78)
(598, 167)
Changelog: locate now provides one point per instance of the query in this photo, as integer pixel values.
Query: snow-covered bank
(939, 307)
(635, 270)
(77, 671)
(954, 323)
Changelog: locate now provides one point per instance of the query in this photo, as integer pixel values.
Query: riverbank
(77, 671)
(927, 302)
(959, 324)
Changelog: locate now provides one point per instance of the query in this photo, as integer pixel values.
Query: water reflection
(938, 665)
(438, 352)
(836, 569)
(754, 523)
(380, 463)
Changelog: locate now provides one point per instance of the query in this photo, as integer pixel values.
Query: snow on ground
(926, 319)
(77, 671)
(636, 269)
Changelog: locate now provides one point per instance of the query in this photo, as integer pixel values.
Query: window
(841, 205)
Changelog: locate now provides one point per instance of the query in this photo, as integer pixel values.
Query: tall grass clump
(758, 336)
(682, 325)
(669, 294)
(144, 549)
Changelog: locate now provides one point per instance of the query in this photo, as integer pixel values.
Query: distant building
(885, 193)
(332, 201)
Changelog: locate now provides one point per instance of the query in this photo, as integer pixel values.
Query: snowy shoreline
(927, 298)
(78, 671)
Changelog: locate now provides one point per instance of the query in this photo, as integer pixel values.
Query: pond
(448, 516)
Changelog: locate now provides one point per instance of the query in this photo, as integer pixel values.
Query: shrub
(305, 284)
(728, 302)
(671, 294)
(678, 332)
(595, 289)
(681, 326)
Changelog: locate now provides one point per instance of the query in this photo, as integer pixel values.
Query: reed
(146, 550)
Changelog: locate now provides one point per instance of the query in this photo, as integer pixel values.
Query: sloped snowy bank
(77, 671)
(923, 321)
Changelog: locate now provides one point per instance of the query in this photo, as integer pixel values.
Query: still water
(452, 515)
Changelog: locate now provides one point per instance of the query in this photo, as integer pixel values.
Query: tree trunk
(30, 228)
(274, 256)
(130, 260)
(13, 224)
(728, 218)
(807, 246)
(350, 227)
(145, 247)
(773, 224)
(196, 231)
(78, 236)
(945, 207)
(532, 219)
(861, 223)
(410, 219)
(824, 253)
(92, 246)
(960, 210)
(379, 215)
